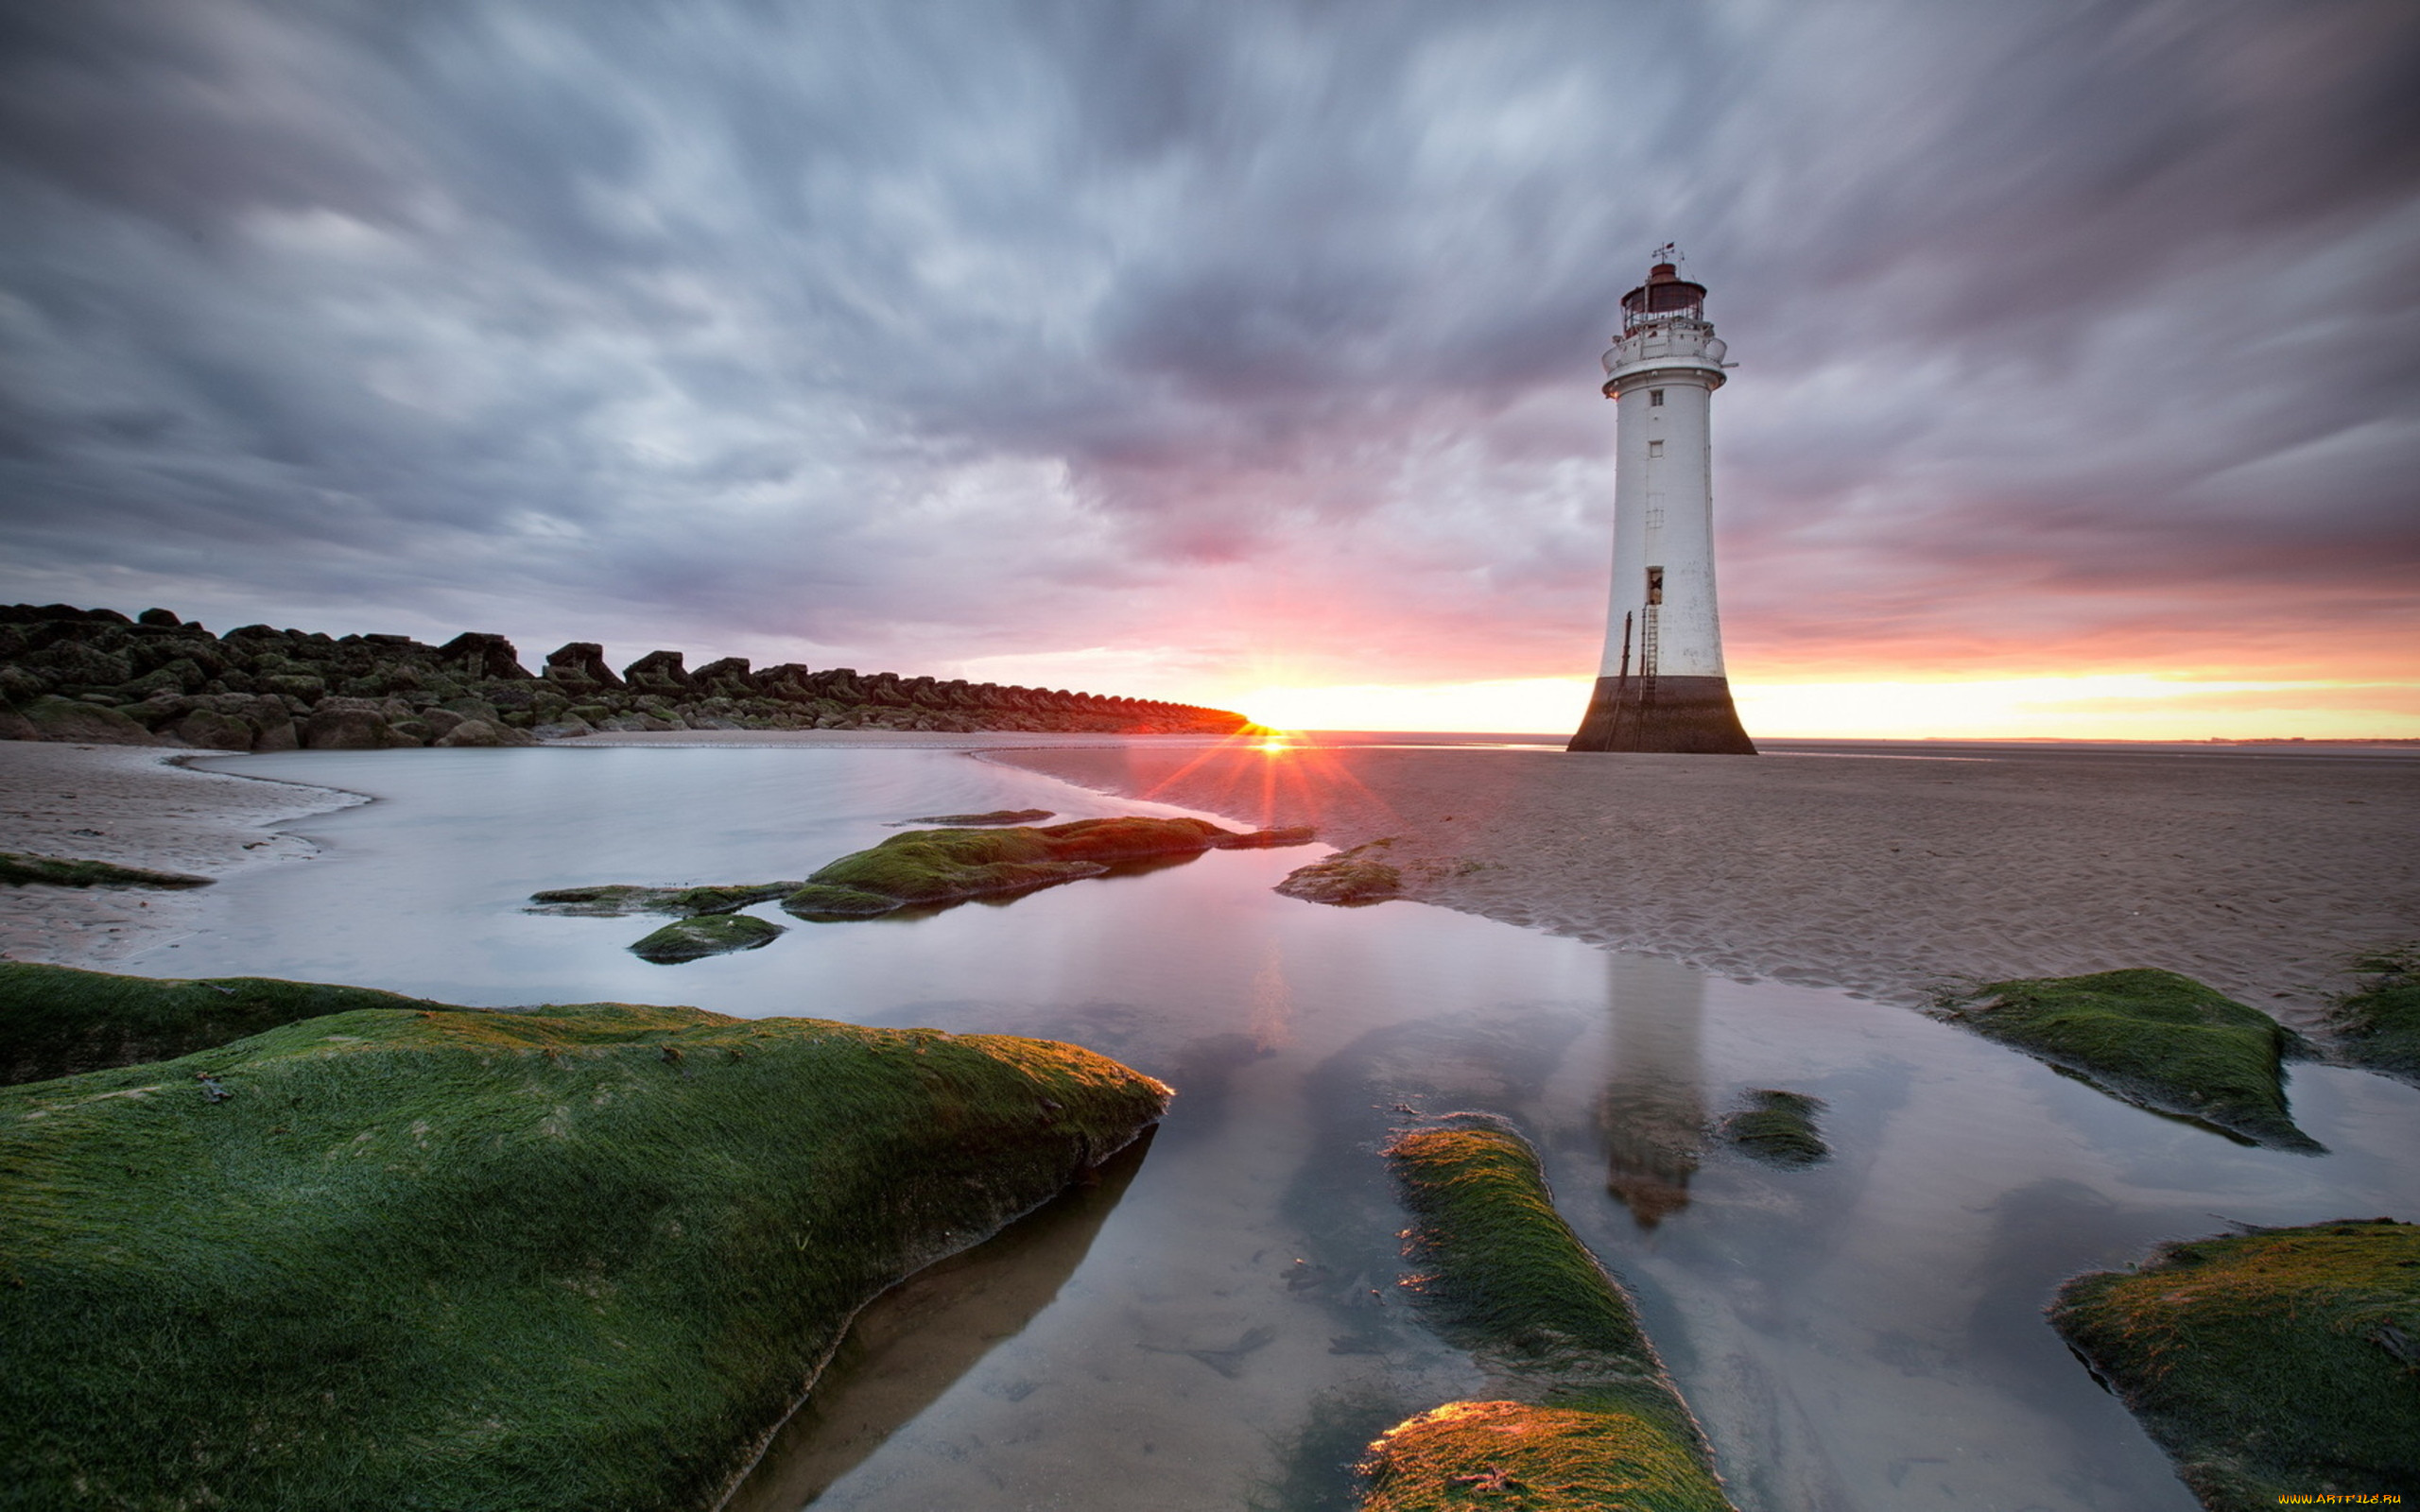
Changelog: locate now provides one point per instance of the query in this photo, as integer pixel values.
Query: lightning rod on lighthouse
(1661, 686)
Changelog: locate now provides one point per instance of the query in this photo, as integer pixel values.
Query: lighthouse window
(1655, 398)
(1656, 448)
(1655, 585)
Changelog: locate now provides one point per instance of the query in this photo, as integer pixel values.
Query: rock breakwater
(95, 677)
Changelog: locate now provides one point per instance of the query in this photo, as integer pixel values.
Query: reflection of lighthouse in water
(1652, 1113)
(1661, 686)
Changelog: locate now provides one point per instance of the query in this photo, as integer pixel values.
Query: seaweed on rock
(1346, 880)
(2279, 1361)
(704, 935)
(57, 1021)
(1509, 1280)
(926, 866)
(1778, 1127)
(990, 816)
(2380, 1025)
(614, 900)
(2154, 1038)
(1551, 1458)
(575, 1257)
(62, 871)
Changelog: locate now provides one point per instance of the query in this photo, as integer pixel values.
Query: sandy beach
(1891, 877)
(137, 807)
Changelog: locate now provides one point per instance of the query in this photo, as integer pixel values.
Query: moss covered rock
(1469, 1455)
(2283, 1361)
(1347, 881)
(1778, 1129)
(580, 1257)
(56, 1021)
(2380, 1025)
(51, 717)
(614, 900)
(18, 869)
(1507, 1279)
(944, 866)
(691, 940)
(816, 900)
(2151, 1038)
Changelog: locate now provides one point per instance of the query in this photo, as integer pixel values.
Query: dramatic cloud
(1199, 348)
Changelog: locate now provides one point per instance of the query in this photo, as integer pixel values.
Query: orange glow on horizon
(2113, 705)
(1316, 782)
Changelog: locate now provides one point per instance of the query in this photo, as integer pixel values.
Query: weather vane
(1669, 252)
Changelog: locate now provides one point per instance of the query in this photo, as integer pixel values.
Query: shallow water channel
(1216, 1324)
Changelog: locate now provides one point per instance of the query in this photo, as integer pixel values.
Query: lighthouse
(1661, 685)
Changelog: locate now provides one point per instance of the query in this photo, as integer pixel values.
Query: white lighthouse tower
(1661, 686)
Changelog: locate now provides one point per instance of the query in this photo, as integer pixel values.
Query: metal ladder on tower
(1646, 654)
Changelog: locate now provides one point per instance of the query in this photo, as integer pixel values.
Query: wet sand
(1887, 876)
(1892, 878)
(133, 806)
(140, 806)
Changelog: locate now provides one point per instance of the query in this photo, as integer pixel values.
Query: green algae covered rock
(816, 900)
(1346, 880)
(614, 900)
(51, 717)
(17, 870)
(56, 1021)
(1507, 1279)
(1778, 1129)
(1469, 1455)
(694, 939)
(2154, 1038)
(2285, 1361)
(574, 1257)
(2380, 1025)
(926, 866)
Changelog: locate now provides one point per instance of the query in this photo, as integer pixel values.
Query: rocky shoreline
(95, 677)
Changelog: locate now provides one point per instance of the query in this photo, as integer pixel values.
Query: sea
(1222, 1320)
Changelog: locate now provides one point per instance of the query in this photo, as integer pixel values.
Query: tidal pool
(1218, 1324)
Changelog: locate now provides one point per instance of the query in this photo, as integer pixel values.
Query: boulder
(17, 685)
(212, 731)
(74, 664)
(307, 686)
(158, 616)
(160, 709)
(580, 664)
(477, 654)
(90, 723)
(726, 678)
(658, 672)
(480, 732)
(345, 724)
(470, 733)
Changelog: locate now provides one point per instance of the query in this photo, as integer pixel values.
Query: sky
(1240, 353)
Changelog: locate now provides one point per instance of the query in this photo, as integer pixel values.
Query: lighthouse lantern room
(1661, 685)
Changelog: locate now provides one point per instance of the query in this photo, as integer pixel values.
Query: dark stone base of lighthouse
(1676, 716)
